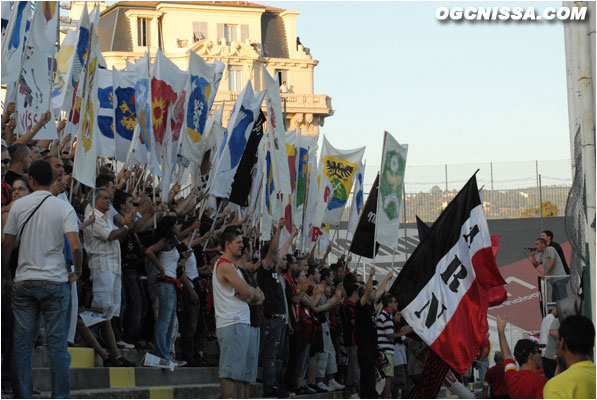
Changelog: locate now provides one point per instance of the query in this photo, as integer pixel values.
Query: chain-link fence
(510, 189)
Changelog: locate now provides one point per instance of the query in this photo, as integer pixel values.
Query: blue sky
(455, 92)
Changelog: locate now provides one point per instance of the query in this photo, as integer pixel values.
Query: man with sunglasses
(524, 382)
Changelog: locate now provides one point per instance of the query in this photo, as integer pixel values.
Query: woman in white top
(165, 256)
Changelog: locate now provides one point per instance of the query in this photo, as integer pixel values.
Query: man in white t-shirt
(41, 285)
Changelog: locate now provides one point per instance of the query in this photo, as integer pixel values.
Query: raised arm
(501, 326)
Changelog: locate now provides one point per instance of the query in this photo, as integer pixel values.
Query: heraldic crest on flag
(443, 288)
(391, 184)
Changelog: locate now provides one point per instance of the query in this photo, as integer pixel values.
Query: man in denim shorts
(239, 344)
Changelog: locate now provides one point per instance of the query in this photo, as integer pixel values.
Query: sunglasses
(6, 161)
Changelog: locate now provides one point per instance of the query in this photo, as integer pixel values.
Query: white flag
(64, 62)
(78, 60)
(357, 200)
(125, 115)
(86, 153)
(276, 133)
(199, 88)
(235, 139)
(33, 86)
(14, 43)
(389, 199)
(105, 114)
(337, 171)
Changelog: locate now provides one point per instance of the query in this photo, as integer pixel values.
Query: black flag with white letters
(442, 289)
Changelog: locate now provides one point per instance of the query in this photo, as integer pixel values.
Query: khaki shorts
(389, 368)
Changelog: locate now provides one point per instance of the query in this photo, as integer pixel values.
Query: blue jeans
(165, 322)
(558, 289)
(275, 338)
(53, 299)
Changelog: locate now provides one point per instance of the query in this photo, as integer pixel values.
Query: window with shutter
(142, 32)
(199, 31)
(235, 78)
(220, 31)
(244, 32)
(230, 33)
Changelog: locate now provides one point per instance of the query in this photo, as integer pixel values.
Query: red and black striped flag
(442, 289)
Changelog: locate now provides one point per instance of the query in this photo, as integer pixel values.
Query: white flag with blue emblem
(235, 139)
(105, 114)
(14, 42)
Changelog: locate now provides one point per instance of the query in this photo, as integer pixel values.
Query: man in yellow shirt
(576, 338)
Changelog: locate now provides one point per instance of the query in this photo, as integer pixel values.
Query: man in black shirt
(274, 330)
(366, 338)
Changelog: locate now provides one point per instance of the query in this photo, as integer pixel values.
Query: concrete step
(99, 377)
(85, 357)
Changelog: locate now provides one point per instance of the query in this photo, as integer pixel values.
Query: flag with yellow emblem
(125, 114)
(198, 106)
(105, 114)
(86, 152)
(337, 171)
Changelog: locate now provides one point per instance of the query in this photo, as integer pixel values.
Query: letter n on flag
(443, 288)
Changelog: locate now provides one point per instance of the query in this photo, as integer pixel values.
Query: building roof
(113, 20)
(207, 3)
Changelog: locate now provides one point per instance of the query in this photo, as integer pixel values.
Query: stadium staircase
(90, 380)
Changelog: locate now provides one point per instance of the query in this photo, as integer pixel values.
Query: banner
(357, 199)
(143, 153)
(337, 170)
(84, 168)
(78, 61)
(166, 81)
(245, 112)
(4, 18)
(105, 114)
(33, 86)
(14, 43)
(391, 184)
(276, 133)
(64, 62)
(305, 154)
(199, 87)
(364, 236)
(243, 179)
(442, 290)
(125, 115)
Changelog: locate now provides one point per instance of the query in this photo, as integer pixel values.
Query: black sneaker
(112, 362)
(270, 392)
(126, 363)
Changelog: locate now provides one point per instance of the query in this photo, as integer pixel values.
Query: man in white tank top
(232, 296)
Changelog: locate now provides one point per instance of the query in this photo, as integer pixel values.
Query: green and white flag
(391, 182)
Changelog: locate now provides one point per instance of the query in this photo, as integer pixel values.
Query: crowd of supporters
(168, 277)
(148, 270)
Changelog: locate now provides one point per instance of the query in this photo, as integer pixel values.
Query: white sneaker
(179, 363)
(323, 386)
(335, 385)
(124, 345)
(355, 396)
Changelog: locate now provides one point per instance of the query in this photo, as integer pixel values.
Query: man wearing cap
(524, 382)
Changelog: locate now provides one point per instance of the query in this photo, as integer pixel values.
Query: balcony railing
(294, 102)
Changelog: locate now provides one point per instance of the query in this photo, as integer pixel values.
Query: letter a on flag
(443, 289)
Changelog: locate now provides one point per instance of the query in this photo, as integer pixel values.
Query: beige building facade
(244, 36)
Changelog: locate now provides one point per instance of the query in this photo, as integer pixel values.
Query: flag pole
(54, 60)
(213, 224)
